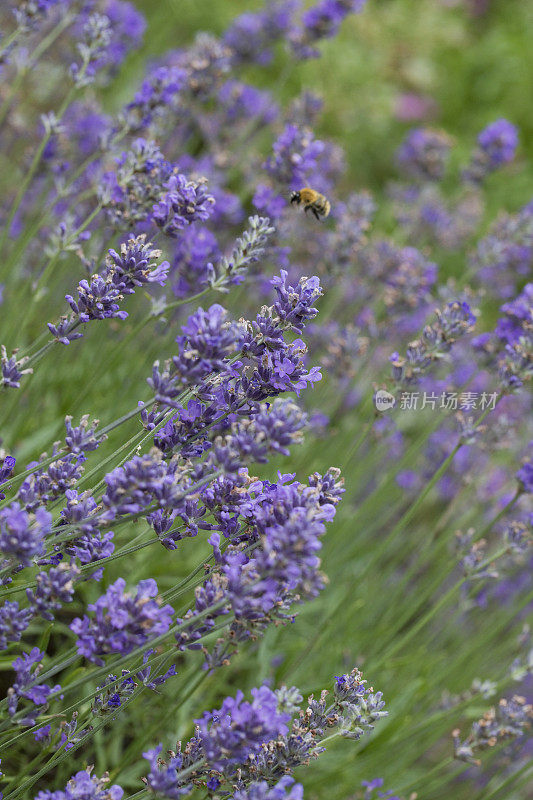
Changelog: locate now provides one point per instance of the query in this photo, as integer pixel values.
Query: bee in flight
(312, 201)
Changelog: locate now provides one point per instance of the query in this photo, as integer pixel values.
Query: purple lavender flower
(84, 786)
(139, 180)
(252, 35)
(296, 154)
(105, 38)
(242, 101)
(507, 721)
(144, 674)
(128, 26)
(517, 321)
(53, 588)
(64, 331)
(499, 141)
(49, 483)
(424, 154)
(92, 545)
(196, 249)
(288, 519)
(307, 730)
(271, 429)
(239, 728)
(496, 146)
(321, 21)
(141, 481)
(22, 534)
(284, 789)
(294, 303)
(5, 471)
(185, 202)
(122, 273)
(99, 299)
(13, 622)
(122, 621)
(206, 62)
(376, 784)
(453, 322)
(136, 265)
(159, 93)
(83, 438)
(27, 668)
(208, 342)
(505, 256)
(525, 477)
(11, 369)
(268, 202)
(96, 37)
(86, 127)
(162, 778)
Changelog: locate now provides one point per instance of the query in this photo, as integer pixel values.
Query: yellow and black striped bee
(312, 201)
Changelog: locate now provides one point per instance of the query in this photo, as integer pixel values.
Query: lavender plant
(336, 343)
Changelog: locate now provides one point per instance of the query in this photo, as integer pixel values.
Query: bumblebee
(312, 201)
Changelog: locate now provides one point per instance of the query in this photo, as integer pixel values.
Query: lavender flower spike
(85, 786)
(22, 534)
(184, 203)
(239, 728)
(122, 621)
(284, 789)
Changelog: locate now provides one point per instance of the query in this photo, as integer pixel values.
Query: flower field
(266, 431)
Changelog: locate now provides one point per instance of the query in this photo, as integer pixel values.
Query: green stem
(6, 43)
(406, 580)
(524, 769)
(54, 259)
(442, 765)
(139, 743)
(32, 170)
(41, 48)
(422, 622)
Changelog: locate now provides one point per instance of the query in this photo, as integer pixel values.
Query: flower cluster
(453, 322)
(252, 745)
(122, 621)
(508, 720)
